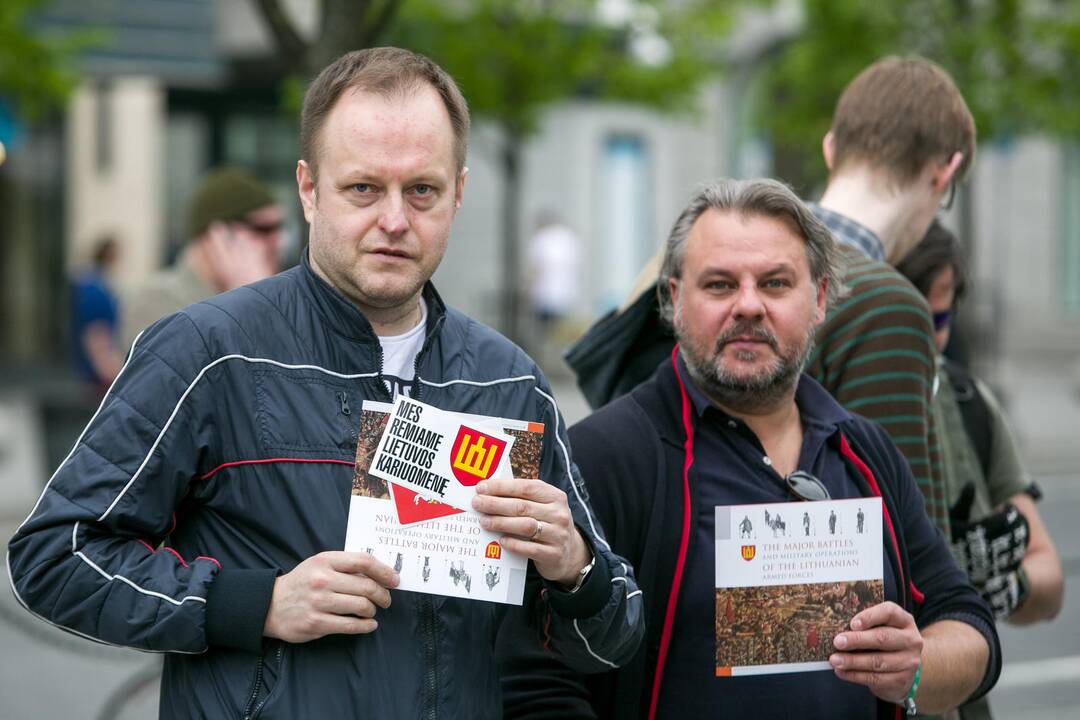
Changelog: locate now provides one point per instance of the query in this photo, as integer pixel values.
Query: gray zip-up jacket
(221, 458)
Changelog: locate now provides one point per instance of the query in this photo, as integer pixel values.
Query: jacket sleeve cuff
(591, 597)
(236, 608)
(993, 661)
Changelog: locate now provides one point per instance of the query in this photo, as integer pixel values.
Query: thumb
(960, 513)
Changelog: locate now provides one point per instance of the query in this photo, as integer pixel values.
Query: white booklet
(790, 576)
(440, 455)
(435, 546)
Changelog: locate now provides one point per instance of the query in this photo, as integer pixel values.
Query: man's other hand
(536, 517)
(882, 651)
(330, 593)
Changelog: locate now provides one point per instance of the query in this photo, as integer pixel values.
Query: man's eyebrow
(780, 268)
(720, 271)
(354, 177)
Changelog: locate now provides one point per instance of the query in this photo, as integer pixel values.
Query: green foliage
(511, 59)
(36, 73)
(1016, 63)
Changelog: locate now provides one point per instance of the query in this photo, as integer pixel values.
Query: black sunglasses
(262, 228)
(805, 486)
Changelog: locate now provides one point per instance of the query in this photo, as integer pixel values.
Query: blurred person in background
(95, 319)
(554, 259)
(998, 536)
(234, 235)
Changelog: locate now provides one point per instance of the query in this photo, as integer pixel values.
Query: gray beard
(753, 394)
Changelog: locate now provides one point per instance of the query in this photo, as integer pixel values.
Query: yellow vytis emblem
(474, 457)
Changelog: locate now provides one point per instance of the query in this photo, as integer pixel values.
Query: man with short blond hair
(203, 510)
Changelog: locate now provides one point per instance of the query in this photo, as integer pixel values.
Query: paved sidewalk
(46, 673)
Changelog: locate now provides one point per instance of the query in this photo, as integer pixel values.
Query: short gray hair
(765, 197)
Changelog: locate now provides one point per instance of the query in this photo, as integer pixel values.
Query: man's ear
(821, 301)
(828, 149)
(459, 188)
(305, 184)
(673, 291)
(944, 174)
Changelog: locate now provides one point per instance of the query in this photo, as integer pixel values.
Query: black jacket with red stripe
(222, 457)
(632, 456)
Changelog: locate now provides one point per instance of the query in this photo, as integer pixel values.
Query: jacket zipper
(381, 380)
(416, 364)
(343, 398)
(429, 709)
(249, 712)
(255, 688)
(423, 351)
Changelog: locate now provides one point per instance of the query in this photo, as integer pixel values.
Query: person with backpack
(997, 533)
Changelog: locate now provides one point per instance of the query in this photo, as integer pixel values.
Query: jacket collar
(345, 319)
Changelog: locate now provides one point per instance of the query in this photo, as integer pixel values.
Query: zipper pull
(344, 398)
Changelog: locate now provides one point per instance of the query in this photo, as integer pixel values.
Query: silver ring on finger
(539, 529)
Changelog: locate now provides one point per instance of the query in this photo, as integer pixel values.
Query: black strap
(974, 412)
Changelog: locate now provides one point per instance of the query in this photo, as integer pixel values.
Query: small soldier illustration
(398, 563)
(491, 577)
(746, 527)
(860, 517)
(459, 576)
(832, 522)
(806, 523)
(426, 572)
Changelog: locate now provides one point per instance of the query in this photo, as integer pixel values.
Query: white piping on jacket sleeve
(65, 628)
(131, 354)
(589, 647)
(478, 383)
(79, 554)
(187, 392)
(127, 486)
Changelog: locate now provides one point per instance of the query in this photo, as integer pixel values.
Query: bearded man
(729, 419)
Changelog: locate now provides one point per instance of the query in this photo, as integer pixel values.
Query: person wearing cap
(234, 236)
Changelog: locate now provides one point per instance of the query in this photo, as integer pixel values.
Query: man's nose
(748, 303)
(392, 220)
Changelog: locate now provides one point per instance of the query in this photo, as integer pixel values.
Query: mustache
(744, 329)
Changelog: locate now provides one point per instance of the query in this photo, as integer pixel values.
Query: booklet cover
(440, 455)
(435, 547)
(789, 577)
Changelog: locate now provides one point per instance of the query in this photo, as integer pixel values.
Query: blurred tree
(343, 25)
(512, 59)
(35, 73)
(1016, 63)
